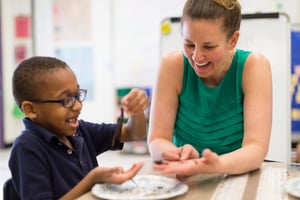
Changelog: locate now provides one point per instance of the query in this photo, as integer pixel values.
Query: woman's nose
(197, 56)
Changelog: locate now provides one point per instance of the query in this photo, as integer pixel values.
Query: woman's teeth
(202, 64)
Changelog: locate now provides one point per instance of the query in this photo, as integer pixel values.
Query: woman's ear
(234, 39)
(29, 109)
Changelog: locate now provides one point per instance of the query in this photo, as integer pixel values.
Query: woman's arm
(257, 87)
(164, 107)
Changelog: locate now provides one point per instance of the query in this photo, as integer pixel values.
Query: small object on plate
(150, 187)
(292, 187)
(158, 162)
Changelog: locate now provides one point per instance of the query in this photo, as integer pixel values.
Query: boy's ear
(29, 109)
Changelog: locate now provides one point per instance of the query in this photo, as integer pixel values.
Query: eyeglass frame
(75, 98)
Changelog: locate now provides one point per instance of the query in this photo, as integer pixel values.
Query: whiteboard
(269, 34)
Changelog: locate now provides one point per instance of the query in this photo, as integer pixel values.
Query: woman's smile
(201, 64)
(200, 68)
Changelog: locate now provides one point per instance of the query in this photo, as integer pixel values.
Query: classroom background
(112, 45)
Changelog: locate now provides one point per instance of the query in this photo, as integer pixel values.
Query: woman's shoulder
(257, 59)
(257, 68)
(173, 57)
(172, 63)
(171, 70)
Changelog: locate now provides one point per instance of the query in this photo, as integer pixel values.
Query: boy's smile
(73, 123)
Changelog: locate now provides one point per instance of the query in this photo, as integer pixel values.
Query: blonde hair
(229, 11)
(228, 4)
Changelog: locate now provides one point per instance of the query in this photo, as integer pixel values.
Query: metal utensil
(118, 130)
(135, 183)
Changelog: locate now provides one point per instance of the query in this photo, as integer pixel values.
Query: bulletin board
(269, 34)
(295, 67)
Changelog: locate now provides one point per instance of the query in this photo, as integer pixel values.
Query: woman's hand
(182, 153)
(209, 163)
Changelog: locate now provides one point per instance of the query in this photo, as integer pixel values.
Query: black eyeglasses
(67, 102)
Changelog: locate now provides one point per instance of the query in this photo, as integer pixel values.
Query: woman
(211, 110)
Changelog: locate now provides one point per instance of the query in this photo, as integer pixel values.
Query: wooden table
(262, 184)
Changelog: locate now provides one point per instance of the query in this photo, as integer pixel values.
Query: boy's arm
(134, 104)
(114, 175)
(135, 129)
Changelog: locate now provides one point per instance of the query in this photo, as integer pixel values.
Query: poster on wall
(295, 63)
(71, 20)
(20, 53)
(22, 26)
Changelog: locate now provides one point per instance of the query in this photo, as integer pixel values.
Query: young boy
(55, 155)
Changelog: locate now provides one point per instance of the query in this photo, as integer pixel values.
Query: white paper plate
(292, 187)
(144, 187)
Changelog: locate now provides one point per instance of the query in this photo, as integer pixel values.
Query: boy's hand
(116, 175)
(135, 102)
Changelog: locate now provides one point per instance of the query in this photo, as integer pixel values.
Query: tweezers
(118, 130)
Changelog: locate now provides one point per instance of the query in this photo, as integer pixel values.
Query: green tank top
(212, 117)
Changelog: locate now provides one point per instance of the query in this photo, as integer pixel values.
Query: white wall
(137, 35)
